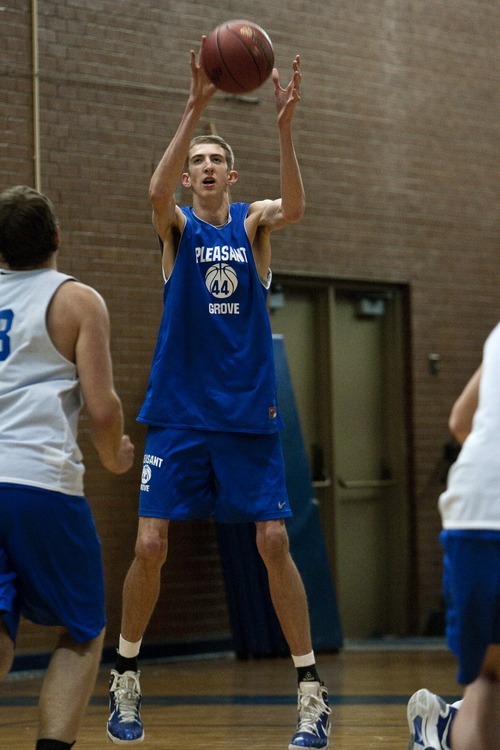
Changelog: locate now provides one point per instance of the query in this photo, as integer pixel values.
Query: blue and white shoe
(429, 721)
(313, 726)
(124, 723)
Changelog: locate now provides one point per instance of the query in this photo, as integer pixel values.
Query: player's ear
(186, 181)
(232, 177)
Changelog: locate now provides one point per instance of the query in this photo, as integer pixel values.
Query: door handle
(327, 482)
(362, 484)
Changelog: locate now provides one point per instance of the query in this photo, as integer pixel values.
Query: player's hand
(125, 457)
(287, 98)
(202, 88)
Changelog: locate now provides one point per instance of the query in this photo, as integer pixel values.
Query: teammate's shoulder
(79, 293)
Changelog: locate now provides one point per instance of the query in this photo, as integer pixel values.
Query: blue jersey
(213, 366)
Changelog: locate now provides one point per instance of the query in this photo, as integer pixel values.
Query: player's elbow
(163, 203)
(105, 415)
(295, 217)
(158, 191)
(457, 427)
(155, 193)
(295, 214)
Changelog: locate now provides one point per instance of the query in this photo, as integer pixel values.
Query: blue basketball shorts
(229, 477)
(51, 569)
(471, 588)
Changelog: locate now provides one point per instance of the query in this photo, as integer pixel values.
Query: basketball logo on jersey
(146, 476)
(221, 280)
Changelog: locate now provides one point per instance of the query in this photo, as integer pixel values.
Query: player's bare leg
(290, 603)
(140, 594)
(142, 583)
(285, 583)
(476, 723)
(67, 687)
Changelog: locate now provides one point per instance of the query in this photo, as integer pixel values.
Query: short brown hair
(28, 227)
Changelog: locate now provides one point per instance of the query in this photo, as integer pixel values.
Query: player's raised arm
(292, 188)
(166, 175)
(274, 214)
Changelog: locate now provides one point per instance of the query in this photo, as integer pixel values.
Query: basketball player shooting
(212, 446)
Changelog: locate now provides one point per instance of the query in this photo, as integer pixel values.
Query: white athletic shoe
(313, 726)
(124, 723)
(429, 721)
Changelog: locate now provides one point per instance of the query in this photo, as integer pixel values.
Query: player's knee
(151, 549)
(272, 541)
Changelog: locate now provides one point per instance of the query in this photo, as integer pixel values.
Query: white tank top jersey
(472, 497)
(40, 398)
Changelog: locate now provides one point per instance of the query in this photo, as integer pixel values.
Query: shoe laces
(311, 708)
(127, 693)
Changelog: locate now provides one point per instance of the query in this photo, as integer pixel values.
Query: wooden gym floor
(220, 703)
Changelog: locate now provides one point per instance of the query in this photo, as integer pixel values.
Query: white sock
(307, 660)
(127, 649)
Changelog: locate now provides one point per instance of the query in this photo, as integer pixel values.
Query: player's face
(207, 169)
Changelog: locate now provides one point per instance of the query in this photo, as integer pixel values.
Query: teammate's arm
(464, 408)
(78, 323)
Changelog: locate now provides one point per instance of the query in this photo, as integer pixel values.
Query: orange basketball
(238, 56)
